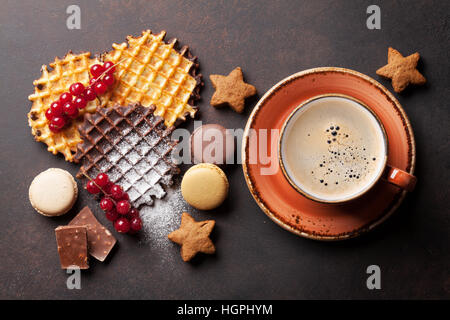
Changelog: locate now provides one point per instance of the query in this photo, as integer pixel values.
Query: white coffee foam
(333, 148)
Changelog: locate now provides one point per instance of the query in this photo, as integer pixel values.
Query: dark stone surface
(255, 258)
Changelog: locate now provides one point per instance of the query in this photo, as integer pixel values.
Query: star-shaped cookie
(401, 70)
(193, 236)
(231, 90)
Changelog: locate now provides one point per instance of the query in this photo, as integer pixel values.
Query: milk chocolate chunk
(72, 246)
(100, 240)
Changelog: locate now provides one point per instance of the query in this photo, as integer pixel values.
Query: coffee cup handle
(400, 178)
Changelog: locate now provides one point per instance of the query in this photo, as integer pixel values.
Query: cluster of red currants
(116, 204)
(68, 105)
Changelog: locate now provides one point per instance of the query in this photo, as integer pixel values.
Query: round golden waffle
(153, 72)
(149, 71)
(52, 83)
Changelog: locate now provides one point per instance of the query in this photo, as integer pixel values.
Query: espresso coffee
(333, 148)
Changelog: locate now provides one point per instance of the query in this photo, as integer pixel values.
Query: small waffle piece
(52, 83)
(153, 72)
(132, 146)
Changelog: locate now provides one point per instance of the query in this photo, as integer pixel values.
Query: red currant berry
(70, 109)
(65, 97)
(76, 89)
(80, 102)
(123, 207)
(112, 215)
(92, 81)
(108, 80)
(134, 213)
(109, 67)
(116, 192)
(54, 128)
(97, 70)
(136, 224)
(49, 114)
(108, 187)
(57, 109)
(102, 180)
(106, 204)
(58, 122)
(122, 225)
(89, 94)
(100, 87)
(125, 196)
(92, 188)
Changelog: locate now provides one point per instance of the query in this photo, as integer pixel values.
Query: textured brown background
(255, 258)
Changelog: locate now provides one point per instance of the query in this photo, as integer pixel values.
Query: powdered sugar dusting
(163, 217)
(133, 138)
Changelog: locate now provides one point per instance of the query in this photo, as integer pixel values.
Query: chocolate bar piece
(72, 246)
(100, 240)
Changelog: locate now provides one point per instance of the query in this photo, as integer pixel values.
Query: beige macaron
(204, 186)
(53, 192)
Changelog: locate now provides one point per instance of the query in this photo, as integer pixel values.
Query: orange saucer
(288, 208)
